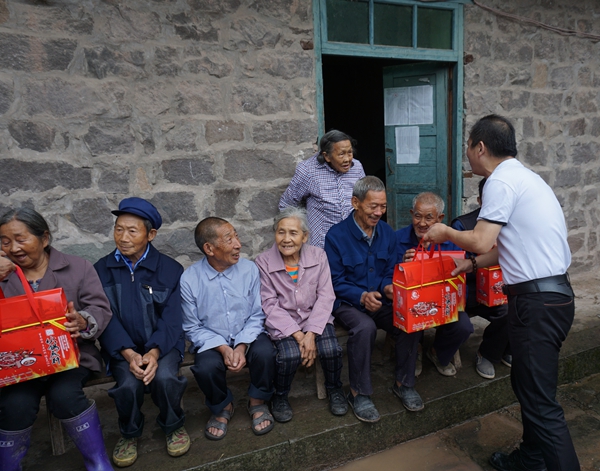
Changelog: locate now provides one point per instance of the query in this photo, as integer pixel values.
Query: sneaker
(125, 452)
(409, 396)
(281, 409)
(419, 365)
(507, 360)
(338, 405)
(363, 408)
(503, 462)
(447, 370)
(178, 442)
(485, 368)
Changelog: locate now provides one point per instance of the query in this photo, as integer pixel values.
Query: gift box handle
(29, 294)
(421, 249)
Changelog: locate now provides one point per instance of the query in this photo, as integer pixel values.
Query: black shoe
(281, 409)
(338, 405)
(363, 408)
(409, 396)
(503, 462)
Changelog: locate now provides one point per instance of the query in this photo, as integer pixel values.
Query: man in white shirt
(522, 213)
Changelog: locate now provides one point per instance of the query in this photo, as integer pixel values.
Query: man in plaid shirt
(324, 182)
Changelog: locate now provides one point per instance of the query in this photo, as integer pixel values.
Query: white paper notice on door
(408, 150)
(408, 105)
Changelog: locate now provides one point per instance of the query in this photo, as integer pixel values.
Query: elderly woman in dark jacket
(25, 239)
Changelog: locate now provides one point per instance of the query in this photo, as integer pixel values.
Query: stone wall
(204, 107)
(548, 84)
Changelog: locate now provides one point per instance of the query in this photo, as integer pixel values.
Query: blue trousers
(20, 403)
(538, 324)
(289, 358)
(210, 372)
(449, 337)
(166, 391)
(362, 331)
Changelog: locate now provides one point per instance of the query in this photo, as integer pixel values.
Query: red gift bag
(33, 340)
(425, 292)
(489, 286)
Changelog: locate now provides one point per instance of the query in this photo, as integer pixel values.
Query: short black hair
(35, 222)
(206, 231)
(498, 135)
(329, 139)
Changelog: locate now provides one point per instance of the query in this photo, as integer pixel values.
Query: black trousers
(538, 324)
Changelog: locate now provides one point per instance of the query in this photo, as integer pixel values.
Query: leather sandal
(266, 415)
(213, 422)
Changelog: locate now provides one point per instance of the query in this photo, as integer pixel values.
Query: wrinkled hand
(371, 301)
(308, 349)
(438, 234)
(150, 365)
(409, 255)
(6, 266)
(463, 265)
(389, 291)
(75, 322)
(234, 359)
(135, 362)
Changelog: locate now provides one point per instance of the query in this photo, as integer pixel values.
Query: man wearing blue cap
(143, 344)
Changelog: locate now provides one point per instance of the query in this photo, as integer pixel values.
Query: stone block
(214, 6)
(525, 54)
(194, 171)
(259, 98)
(576, 127)
(569, 177)
(183, 137)
(286, 65)
(284, 9)
(34, 54)
(561, 78)
(103, 61)
(501, 50)
(4, 13)
(540, 75)
(481, 102)
(32, 135)
(514, 100)
(17, 175)
(575, 220)
(109, 138)
(584, 77)
(7, 96)
(260, 165)
(93, 215)
(576, 242)
(587, 101)
(248, 30)
(153, 99)
(122, 23)
(520, 76)
(146, 137)
(225, 201)
(583, 153)
(535, 153)
(549, 104)
(528, 128)
(49, 18)
(544, 47)
(213, 63)
(594, 128)
(591, 196)
(175, 243)
(219, 131)
(165, 61)
(264, 205)
(56, 97)
(111, 181)
(195, 28)
(175, 206)
(90, 252)
(560, 153)
(285, 131)
(478, 44)
(199, 98)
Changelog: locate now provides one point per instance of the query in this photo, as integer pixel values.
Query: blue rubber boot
(13, 447)
(86, 433)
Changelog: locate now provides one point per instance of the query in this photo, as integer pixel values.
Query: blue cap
(142, 208)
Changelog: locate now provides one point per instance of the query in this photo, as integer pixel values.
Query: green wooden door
(416, 136)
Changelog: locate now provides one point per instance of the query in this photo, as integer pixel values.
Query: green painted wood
(404, 181)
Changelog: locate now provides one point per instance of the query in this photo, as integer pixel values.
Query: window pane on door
(393, 25)
(434, 28)
(348, 21)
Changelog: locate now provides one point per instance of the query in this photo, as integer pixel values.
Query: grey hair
(366, 184)
(34, 221)
(292, 212)
(430, 198)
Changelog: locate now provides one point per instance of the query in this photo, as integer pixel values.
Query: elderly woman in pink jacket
(297, 298)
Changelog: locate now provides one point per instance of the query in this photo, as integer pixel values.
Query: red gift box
(426, 294)
(489, 286)
(33, 340)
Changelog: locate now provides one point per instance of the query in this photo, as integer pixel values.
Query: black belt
(551, 284)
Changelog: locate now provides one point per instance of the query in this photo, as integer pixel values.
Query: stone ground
(315, 440)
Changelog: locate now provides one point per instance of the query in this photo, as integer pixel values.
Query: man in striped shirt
(324, 183)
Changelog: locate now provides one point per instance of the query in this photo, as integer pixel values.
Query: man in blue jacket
(143, 344)
(428, 208)
(362, 253)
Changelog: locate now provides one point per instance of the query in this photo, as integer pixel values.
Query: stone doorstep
(315, 439)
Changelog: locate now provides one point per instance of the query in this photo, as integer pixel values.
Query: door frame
(454, 57)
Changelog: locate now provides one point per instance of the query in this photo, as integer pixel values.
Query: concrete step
(315, 439)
